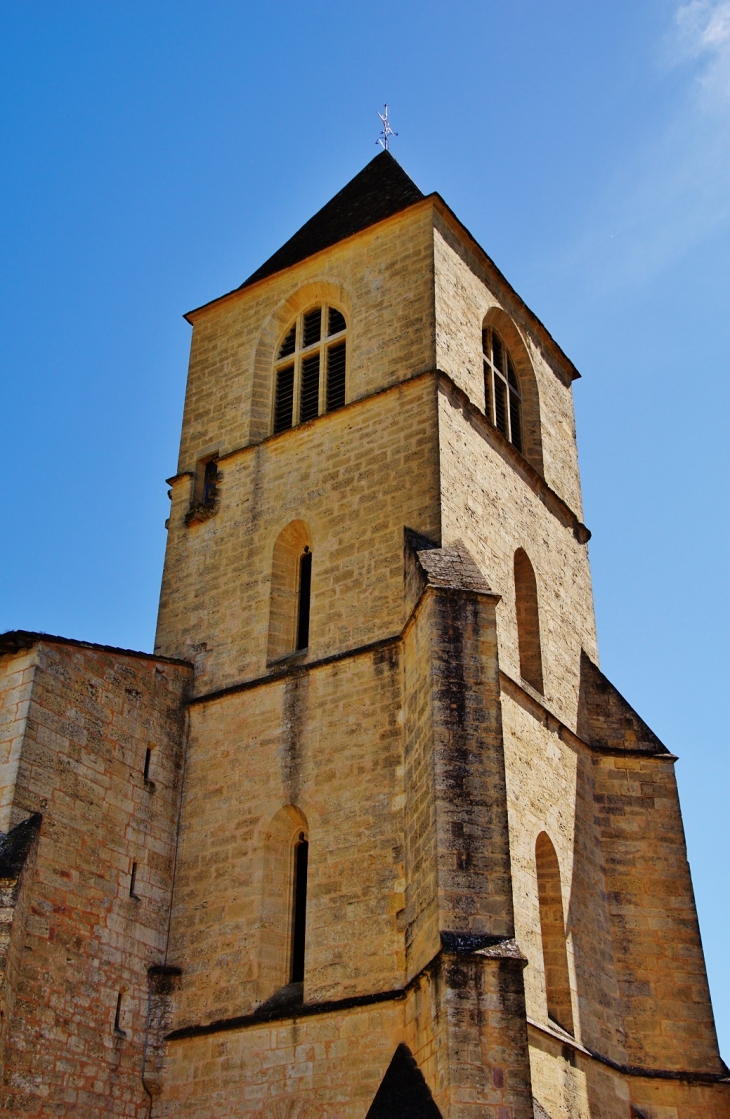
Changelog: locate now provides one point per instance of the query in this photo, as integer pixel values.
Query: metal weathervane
(386, 131)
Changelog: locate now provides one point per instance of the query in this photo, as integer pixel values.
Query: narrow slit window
(310, 368)
(502, 400)
(284, 398)
(133, 882)
(299, 914)
(147, 762)
(291, 583)
(210, 482)
(118, 1016)
(305, 592)
(336, 366)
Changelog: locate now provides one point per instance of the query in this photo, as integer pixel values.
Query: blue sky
(154, 154)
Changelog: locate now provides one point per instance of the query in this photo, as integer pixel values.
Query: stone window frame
(295, 358)
(501, 383)
(553, 935)
(291, 544)
(499, 321)
(527, 612)
(274, 955)
(205, 494)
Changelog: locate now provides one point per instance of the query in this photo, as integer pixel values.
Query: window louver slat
(500, 405)
(309, 400)
(497, 353)
(284, 399)
(312, 327)
(289, 344)
(488, 392)
(511, 375)
(336, 365)
(514, 420)
(336, 321)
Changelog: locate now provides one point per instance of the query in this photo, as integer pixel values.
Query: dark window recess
(289, 344)
(497, 353)
(485, 341)
(147, 760)
(284, 399)
(299, 922)
(309, 398)
(312, 327)
(133, 881)
(118, 1015)
(337, 321)
(514, 420)
(336, 363)
(210, 479)
(500, 405)
(305, 591)
(488, 392)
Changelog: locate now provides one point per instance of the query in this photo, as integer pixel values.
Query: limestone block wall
(355, 478)
(658, 951)
(465, 292)
(17, 672)
(328, 741)
(381, 280)
(489, 505)
(89, 719)
(550, 789)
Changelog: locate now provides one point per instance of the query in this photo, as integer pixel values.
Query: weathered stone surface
(401, 745)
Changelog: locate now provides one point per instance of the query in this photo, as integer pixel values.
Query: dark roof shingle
(380, 190)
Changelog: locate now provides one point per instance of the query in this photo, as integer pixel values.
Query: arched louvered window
(311, 367)
(502, 400)
(528, 621)
(552, 928)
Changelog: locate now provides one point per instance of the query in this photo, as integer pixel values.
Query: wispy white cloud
(701, 33)
(675, 191)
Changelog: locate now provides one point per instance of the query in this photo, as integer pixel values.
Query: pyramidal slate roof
(380, 190)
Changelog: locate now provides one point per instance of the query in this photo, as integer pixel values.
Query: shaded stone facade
(499, 918)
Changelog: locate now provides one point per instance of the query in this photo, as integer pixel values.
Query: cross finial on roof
(386, 131)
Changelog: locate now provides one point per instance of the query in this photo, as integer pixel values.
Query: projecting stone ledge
(450, 568)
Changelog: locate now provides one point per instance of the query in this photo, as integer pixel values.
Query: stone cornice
(550, 499)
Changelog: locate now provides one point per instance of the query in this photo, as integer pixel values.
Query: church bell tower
(430, 862)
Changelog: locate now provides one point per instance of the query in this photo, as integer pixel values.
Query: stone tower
(407, 851)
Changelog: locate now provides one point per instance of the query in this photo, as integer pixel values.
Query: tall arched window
(283, 919)
(552, 928)
(502, 400)
(310, 368)
(528, 621)
(291, 591)
(300, 867)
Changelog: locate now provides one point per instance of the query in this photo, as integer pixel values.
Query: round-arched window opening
(502, 399)
(310, 367)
